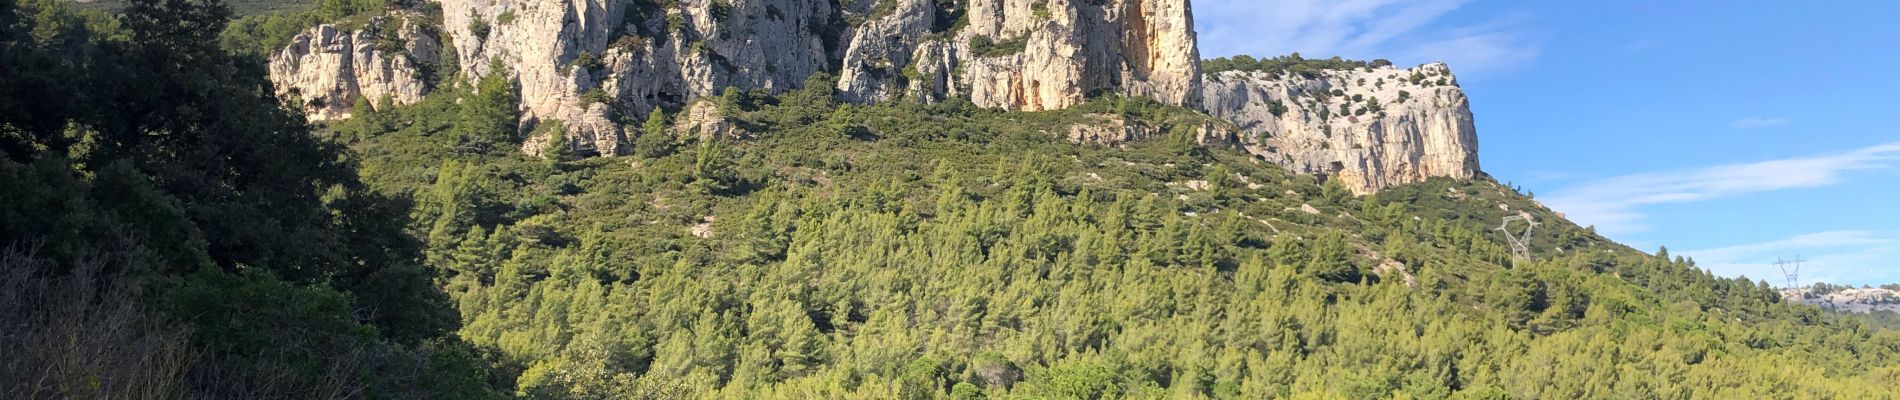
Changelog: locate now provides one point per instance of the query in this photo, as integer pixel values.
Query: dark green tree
(490, 114)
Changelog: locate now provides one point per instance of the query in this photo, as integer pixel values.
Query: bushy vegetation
(1823, 288)
(983, 46)
(261, 32)
(1292, 64)
(1883, 318)
(932, 251)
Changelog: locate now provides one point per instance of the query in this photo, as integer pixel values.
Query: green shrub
(479, 28)
(882, 8)
(720, 9)
(1292, 64)
(983, 46)
(675, 23)
(595, 96)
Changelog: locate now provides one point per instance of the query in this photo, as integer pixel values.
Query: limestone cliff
(599, 66)
(586, 61)
(329, 68)
(1037, 55)
(1368, 127)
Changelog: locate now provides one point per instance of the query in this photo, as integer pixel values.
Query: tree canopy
(134, 147)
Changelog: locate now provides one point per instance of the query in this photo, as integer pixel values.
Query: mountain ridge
(597, 65)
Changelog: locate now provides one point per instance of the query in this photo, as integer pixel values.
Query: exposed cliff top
(1370, 127)
(1849, 299)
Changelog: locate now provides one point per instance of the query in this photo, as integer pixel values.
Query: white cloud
(1751, 123)
(1838, 257)
(1408, 31)
(1614, 204)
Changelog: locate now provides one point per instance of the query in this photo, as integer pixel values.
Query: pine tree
(654, 140)
(489, 115)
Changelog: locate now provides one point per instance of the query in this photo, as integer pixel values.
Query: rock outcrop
(1845, 299)
(1115, 130)
(329, 69)
(1368, 127)
(1035, 55)
(880, 59)
(585, 61)
(703, 120)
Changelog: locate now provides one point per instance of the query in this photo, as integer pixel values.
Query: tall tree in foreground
(140, 161)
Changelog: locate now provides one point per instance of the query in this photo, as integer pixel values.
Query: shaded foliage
(135, 138)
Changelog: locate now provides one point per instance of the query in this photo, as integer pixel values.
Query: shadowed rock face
(1420, 127)
(329, 68)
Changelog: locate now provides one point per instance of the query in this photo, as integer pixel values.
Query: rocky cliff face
(1369, 127)
(585, 61)
(588, 63)
(1035, 55)
(329, 68)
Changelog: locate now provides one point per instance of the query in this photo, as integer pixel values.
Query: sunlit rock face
(328, 69)
(594, 63)
(1370, 128)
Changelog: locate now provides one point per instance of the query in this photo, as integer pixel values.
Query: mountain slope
(916, 251)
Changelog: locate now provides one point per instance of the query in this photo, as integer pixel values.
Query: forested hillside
(944, 251)
(813, 250)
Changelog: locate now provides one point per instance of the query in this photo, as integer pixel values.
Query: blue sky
(1731, 133)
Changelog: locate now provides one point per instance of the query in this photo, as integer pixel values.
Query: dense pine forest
(172, 229)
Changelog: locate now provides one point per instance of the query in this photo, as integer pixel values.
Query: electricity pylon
(1520, 243)
(1791, 269)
